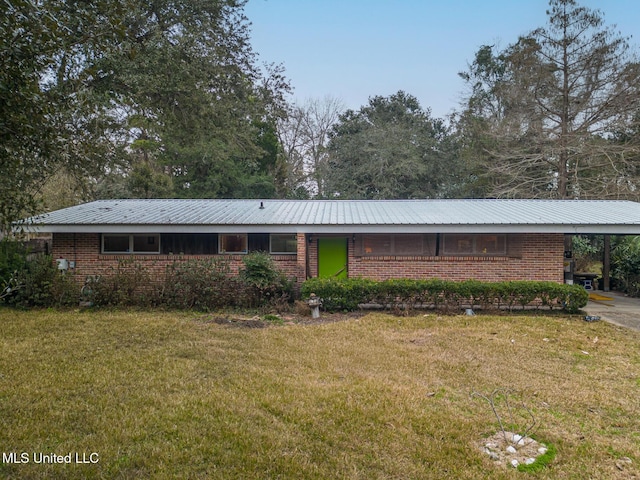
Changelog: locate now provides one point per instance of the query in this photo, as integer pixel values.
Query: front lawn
(170, 395)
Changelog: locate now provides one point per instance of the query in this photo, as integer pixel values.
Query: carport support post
(606, 264)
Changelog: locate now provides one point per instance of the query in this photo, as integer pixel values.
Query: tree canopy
(390, 148)
(134, 98)
(165, 98)
(544, 115)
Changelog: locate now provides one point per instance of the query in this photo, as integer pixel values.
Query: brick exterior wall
(84, 250)
(529, 257)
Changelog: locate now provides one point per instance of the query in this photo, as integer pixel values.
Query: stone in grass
(504, 447)
(492, 455)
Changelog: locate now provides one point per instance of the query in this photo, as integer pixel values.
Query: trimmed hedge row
(350, 293)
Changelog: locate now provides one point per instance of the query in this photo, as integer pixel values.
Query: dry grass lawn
(175, 395)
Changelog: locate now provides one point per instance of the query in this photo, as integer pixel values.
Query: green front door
(332, 257)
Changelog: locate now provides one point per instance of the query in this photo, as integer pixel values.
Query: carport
(577, 277)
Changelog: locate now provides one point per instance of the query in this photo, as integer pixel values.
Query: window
(407, 244)
(146, 243)
(189, 243)
(400, 244)
(376, 244)
(491, 244)
(115, 244)
(233, 243)
(458, 244)
(258, 242)
(284, 243)
(461, 244)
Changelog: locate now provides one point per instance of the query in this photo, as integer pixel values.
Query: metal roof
(344, 216)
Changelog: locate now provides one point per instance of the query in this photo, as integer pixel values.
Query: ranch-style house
(487, 240)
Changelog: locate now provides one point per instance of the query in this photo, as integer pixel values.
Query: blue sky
(355, 49)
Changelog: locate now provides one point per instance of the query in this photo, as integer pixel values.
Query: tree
(544, 113)
(304, 135)
(47, 118)
(390, 148)
(139, 98)
(186, 72)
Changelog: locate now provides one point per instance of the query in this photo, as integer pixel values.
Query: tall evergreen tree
(186, 71)
(390, 148)
(543, 114)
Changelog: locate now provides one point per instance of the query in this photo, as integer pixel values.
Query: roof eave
(616, 229)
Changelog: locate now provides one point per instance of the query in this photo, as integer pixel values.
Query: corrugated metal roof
(568, 216)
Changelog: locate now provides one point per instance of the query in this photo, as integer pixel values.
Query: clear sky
(355, 49)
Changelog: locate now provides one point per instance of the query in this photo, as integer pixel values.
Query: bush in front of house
(201, 284)
(37, 282)
(340, 294)
(395, 294)
(13, 258)
(263, 282)
(128, 283)
(208, 284)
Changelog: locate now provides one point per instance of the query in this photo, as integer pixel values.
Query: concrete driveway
(620, 309)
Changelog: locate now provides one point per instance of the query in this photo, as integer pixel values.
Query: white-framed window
(147, 243)
(233, 243)
(283, 243)
(474, 244)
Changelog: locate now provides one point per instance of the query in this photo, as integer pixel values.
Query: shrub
(574, 297)
(341, 294)
(400, 293)
(127, 284)
(348, 294)
(39, 283)
(264, 283)
(13, 258)
(201, 284)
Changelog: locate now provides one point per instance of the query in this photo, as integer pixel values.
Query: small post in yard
(315, 303)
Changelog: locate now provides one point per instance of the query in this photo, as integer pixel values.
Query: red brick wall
(530, 257)
(84, 249)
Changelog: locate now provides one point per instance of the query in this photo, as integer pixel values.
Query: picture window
(284, 243)
(233, 243)
(142, 244)
(399, 244)
(468, 244)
